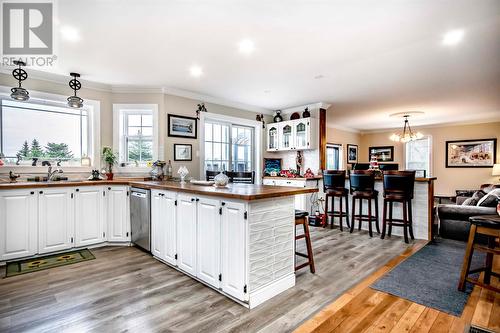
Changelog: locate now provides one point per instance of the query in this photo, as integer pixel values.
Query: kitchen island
(238, 240)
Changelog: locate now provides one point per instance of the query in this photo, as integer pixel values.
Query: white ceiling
(375, 57)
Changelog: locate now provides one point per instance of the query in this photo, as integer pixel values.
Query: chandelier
(407, 134)
(19, 93)
(75, 101)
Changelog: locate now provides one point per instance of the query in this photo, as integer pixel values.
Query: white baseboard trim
(265, 293)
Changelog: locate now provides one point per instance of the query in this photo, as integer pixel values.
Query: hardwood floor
(125, 289)
(363, 309)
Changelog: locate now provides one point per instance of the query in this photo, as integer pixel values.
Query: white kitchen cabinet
(301, 134)
(18, 224)
(233, 249)
(208, 240)
(89, 221)
(55, 219)
(272, 137)
(186, 233)
(295, 134)
(117, 214)
(285, 137)
(164, 226)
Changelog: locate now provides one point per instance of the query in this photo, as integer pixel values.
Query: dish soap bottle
(169, 170)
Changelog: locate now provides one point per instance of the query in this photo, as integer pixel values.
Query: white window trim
(94, 132)
(341, 153)
(256, 125)
(431, 156)
(116, 133)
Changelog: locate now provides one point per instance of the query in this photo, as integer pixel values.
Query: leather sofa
(454, 219)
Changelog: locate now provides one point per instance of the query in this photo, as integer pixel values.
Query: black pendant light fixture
(19, 93)
(75, 101)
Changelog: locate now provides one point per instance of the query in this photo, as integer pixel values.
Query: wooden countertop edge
(418, 179)
(275, 191)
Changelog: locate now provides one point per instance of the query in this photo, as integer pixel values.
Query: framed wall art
(182, 127)
(479, 153)
(383, 153)
(183, 152)
(352, 154)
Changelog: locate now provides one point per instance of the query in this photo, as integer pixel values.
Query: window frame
(257, 140)
(93, 131)
(405, 152)
(119, 124)
(341, 154)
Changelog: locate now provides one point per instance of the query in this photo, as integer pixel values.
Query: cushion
(490, 199)
(472, 201)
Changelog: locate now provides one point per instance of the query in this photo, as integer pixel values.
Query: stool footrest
(482, 285)
(486, 249)
(303, 255)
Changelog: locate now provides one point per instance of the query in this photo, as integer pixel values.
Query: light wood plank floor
(125, 289)
(363, 309)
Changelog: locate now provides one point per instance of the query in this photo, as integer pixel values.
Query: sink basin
(45, 180)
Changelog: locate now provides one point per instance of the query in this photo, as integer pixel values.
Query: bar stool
(334, 187)
(489, 227)
(398, 187)
(362, 184)
(301, 219)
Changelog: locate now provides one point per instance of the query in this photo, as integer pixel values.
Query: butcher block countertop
(233, 191)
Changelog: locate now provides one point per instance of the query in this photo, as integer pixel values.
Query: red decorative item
(295, 115)
(109, 175)
(309, 173)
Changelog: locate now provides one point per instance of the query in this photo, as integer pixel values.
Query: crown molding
(311, 106)
(344, 128)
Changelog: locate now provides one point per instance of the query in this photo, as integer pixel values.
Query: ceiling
(368, 59)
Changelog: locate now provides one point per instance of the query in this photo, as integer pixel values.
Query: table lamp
(496, 170)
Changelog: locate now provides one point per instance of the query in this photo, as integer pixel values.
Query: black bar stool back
(362, 185)
(398, 187)
(334, 187)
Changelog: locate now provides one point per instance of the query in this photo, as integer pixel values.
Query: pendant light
(75, 101)
(407, 134)
(19, 93)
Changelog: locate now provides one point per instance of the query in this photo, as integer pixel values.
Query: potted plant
(110, 158)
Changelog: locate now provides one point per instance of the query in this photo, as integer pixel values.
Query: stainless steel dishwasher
(140, 217)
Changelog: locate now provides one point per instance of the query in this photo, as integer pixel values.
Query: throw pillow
(472, 201)
(490, 199)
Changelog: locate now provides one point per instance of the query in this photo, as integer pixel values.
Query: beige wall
(167, 104)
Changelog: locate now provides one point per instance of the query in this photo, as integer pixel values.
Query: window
(418, 155)
(136, 136)
(333, 154)
(48, 133)
(228, 147)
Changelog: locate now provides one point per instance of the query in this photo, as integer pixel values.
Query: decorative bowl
(221, 180)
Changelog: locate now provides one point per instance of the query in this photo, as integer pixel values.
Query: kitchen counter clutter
(237, 240)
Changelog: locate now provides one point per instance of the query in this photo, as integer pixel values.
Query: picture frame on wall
(352, 154)
(383, 153)
(182, 127)
(183, 152)
(479, 153)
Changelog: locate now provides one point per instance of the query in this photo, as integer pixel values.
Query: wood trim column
(322, 138)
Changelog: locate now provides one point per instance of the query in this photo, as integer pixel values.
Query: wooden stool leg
(309, 248)
(327, 216)
(360, 213)
(340, 214)
(405, 221)
(384, 219)
(469, 251)
(410, 219)
(352, 215)
(370, 217)
(389, 231)
(489, 261)
(347, 211)
(376, 215)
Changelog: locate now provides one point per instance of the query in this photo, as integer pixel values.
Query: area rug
(33, 265)
(430, 277)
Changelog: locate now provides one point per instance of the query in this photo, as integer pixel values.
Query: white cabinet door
(89, 226)
(302, 134)
(186, 233)
(169, 215)
(18, 224)
(285, 136)
(55, 219)
(157, 225)
(117, 214)
(272, 137)
(234, 249)
(208, 260)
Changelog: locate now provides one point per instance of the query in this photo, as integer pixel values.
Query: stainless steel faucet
(51, 174)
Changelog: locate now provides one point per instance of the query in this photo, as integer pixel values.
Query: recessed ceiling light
(246, 46)
(453, 37)
(70, 34)
(267, 91)
(317, 77)
(196, 71)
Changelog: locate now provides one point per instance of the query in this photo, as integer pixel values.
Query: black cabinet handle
(197, 199)
(223, 203)
(78, 190)
(41, 192)
(32, 192)
(109, 188)
(193, 199)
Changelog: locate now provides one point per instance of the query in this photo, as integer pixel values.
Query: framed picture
(272, 166)
(471, 153)
(352, 154)
(183, 152)
(383, 153)
(182, 127)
